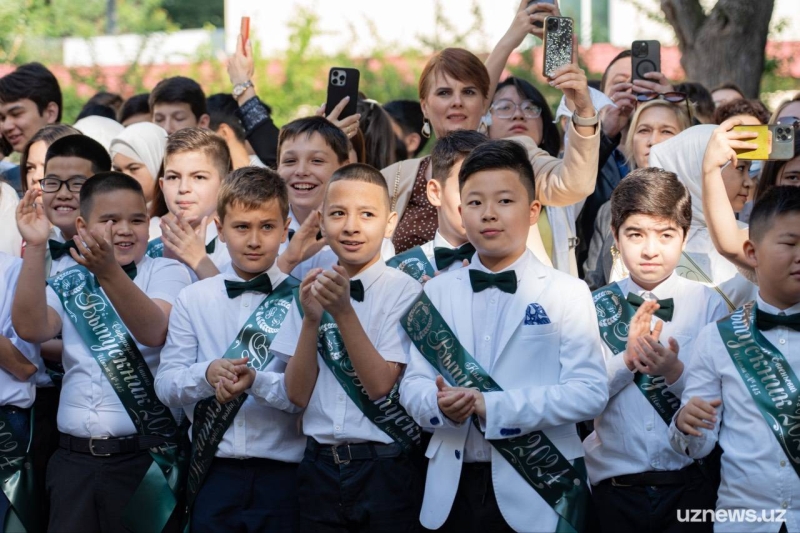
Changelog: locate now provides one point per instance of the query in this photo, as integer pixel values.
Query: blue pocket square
(535, 315)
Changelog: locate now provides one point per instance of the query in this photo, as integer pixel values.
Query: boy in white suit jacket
(506, 362)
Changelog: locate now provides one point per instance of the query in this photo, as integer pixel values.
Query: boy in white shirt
(506, 362)
(19, 500)
(449, 248)
(345, 353)
(217, 367)
(113, 310)
(742, 388)
(648, 322)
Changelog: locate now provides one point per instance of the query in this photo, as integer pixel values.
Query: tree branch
(686, 17)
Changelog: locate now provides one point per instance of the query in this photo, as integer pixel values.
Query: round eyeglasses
(506, 108)
(55, 184)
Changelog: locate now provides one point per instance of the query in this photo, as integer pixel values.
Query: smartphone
(775, 142)
(557, 44)
(342, 82)
(645, 58)
(551, 2)
(244, 30)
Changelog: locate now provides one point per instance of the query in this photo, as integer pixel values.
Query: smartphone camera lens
(552, 24)
(640, 50)
(338, 78)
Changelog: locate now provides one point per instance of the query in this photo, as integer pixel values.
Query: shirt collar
(56, 235)
(665, 289)
(276, 276)
(294, 224)
(371, 275)
(440, 242)
(211, 232)
(771, 309)
(519, 266)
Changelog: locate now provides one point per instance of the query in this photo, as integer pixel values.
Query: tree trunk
(727, 45)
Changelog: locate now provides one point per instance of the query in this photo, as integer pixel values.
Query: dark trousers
(373, 495)
(640, 509)
(475, 506)
(88, 494)
(247, 495)
(45, 436)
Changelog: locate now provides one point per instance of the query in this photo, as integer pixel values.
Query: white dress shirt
(494, 303)
(10, 239)
(756, 474)
(439, 242)
(629, 436)
(12, 390)
(89, 406)
(325, 258)
(202, 326)
(331, 417)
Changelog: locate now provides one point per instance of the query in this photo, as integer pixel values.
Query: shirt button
(480, 454)
(246, 304)
(240, 423)
(493, 300)
(785, 505)
(487, 337)
(783, 463)
(341, 397)
(782, 341)
(649, 427)
(337, 428)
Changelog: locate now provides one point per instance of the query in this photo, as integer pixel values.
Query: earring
(426, 129)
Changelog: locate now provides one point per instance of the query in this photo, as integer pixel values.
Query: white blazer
(552, 375)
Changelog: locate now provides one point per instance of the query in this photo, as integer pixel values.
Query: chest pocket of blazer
(538, 332)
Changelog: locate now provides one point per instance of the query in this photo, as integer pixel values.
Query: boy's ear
(204, 121)
(391, 224)
(218, 223)
(80, 223)
(751, 257)
(434, 192)
(50, 113)
(321, 225)
(535, 210)
(286, 229)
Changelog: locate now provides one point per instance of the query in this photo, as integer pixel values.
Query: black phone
(551, 2)
(645, 58)
(342, 82)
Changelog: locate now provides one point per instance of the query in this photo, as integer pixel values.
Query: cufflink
(507, 432)
(435, 421)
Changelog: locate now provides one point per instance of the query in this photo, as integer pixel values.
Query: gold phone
(775, 142)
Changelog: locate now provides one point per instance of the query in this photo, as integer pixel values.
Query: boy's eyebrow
(790, 234)
(338, 206)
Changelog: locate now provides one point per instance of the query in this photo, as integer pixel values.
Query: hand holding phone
(552, 12)
(775, 143)
(645, 58)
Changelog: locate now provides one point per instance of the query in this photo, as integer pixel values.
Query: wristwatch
(584, 121)
(240, 88)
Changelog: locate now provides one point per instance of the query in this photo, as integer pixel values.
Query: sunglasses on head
(674, 97)
(789, 121)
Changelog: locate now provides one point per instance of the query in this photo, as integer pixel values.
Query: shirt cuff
(271, 390)
(198, 373)
(676, 388)
(252, 113)
(617, 370)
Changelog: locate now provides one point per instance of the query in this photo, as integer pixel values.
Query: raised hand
(311, 307)
(723, 144)
(240, 64)
(654, 359)
(457, 405)
(639, 327)
(348, 125)
(332, 291)
(182, 242)
(32, 223)
(304, 244)
(656, 82)
(223, 368)
(697, 414)
(227, 390)
(95, 252)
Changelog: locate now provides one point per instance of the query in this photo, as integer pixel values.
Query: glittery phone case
(557, 44)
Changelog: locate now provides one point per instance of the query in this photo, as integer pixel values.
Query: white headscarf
(143, 142)
(101, 129)
(683, 155)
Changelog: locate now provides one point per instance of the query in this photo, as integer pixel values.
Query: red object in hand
(245, 31)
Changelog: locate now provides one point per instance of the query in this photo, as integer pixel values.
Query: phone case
(557, 44)
(763, 142)
(342, 82)
(645, 58)
(782, 142)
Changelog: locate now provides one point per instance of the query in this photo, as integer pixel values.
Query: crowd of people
(463, 313)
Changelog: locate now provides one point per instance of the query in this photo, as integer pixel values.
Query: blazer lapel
(461, 312)
(530, 288)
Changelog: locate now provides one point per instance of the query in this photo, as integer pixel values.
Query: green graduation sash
(768, 376)
(155, 248)
(211, 418)
(689, 269)
(386, 413)
(412, 262)
(17, 480)
(114, 349)
(533, 456)
(614, 315)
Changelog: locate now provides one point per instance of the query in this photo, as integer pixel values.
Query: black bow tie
(356, 290)
(260, 283)
(291, 234)
(447, 256)
(767, 321)
(60, 249)
(666, 307)
(505, 281)
(130, 270)
(210, 247)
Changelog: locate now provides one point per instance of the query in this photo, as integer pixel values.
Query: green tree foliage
(196, 13)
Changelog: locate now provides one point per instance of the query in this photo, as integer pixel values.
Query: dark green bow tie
(60, 249)
(130, 270)
(260, 283)
(210, 247)
(445, 257)
(505, 281)
(356, 290)
(666, 307)
(767, 321)
(291, 234)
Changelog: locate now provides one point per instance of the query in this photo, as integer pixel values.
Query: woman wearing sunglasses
(520, 109)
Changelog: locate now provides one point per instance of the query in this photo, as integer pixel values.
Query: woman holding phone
(455, 91)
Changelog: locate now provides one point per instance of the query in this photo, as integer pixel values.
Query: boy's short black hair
(408, 115)
(81, 146)
(222, 110)
(776, 201)
(200, 140)
(451, 149)
(105, 182)
(499, 154)
(652, 192)
(135, 105)
(91, 110)
(308, 126)
(698, 94)
(34, 82)
(112, 100)
(179, 90)
(251, 188)
(363, 173)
